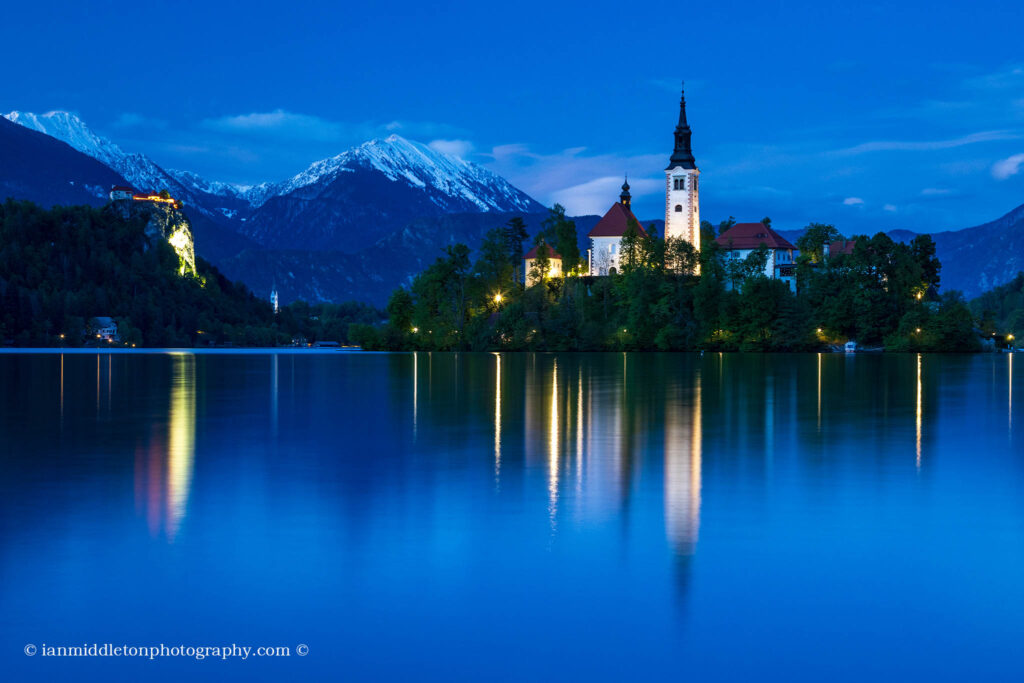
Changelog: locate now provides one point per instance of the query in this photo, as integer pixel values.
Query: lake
(514, 517)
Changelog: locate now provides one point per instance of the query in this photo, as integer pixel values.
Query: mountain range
(358, 224)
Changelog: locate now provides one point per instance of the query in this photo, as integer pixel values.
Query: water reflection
(683, 453)
(919, 415)
(164, 470)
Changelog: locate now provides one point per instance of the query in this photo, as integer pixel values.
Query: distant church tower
(682, 206)
(273, 299)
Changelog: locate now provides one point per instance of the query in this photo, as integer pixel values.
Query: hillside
(60, 268)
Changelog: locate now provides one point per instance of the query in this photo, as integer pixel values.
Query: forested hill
(62, 267)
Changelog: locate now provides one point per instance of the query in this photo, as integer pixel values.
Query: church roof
(551, 253)
(752, 236)
(615, 222)
(682, 155)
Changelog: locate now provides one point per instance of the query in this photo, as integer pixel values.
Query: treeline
(882, 294)
(63, 267)
(1001, 310)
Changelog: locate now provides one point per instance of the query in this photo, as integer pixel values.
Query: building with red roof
(606, 236)
(839, 248)
(739, 241)
(530, 261)
(118, 192)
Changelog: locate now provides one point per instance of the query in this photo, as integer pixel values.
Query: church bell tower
(682, 204)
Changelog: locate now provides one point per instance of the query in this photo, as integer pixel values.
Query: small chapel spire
(625, 198)
(682, 155)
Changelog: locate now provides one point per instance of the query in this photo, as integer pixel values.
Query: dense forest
(63, 267)
(1001, 310)
(884, 294)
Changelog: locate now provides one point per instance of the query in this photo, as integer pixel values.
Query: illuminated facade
(682, 197)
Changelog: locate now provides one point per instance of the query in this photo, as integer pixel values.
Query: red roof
(752, 236)
(841, 247)
(615, 222)
(551, 253)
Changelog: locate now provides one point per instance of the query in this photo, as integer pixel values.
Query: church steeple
(682, 155)
(625, 198)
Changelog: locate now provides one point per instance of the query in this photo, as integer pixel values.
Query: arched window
(679, 208)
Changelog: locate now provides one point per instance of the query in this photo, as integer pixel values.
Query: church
(682, 221)
(682, 205)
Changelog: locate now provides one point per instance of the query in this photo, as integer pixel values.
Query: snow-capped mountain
(350, 200)
(137, 169)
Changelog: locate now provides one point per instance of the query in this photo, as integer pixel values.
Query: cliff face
(165, 222)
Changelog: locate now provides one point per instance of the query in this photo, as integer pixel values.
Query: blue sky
(869, 116)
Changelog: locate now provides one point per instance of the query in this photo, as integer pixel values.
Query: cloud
(459, 148)
(853, 201)
(935, 192)
(930, 145)
(582, 182)
(281, 123)
(1001, 170)
(891, 208)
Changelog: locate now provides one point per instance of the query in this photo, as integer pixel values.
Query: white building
(274, 300)
(739, 241)
(682, 198)
(530, 261)
(106, 328)
(606, 236)
(121, 192)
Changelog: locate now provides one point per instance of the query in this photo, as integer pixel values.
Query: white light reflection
(683, 472)
(918, 416)
(553, 447)
(180, 439)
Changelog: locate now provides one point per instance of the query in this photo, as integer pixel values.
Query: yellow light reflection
(553, 446)
(1009, 396)
(683, 473)
(819, 392)
(579, 431)
(918, 415)
(180, 439)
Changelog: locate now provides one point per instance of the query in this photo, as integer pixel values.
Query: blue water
(514, 517)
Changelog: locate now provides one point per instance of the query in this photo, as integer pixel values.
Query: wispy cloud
(280, 123)
(853, 201)
(1005, 168)
(582, 182)
(930, 145)
(935, 192)
(459, 148)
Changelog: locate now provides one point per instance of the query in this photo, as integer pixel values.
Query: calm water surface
(515, 517)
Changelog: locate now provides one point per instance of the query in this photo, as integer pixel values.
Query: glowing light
(181, 241)
(918, 330)
(415, 330)
(497, 298)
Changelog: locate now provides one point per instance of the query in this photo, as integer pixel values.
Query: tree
(812, 243)
(515, 232)
(559, 231)
(726, 224)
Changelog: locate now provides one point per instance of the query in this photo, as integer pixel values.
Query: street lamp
(497, 298)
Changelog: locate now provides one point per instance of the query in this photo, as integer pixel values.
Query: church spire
(681, 154)
(625, 198)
